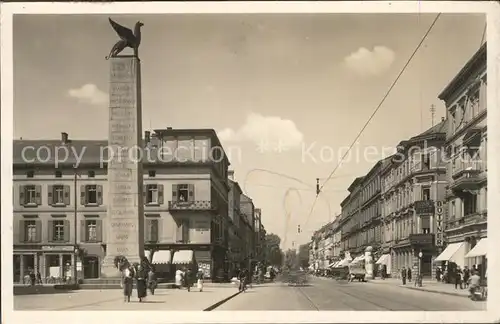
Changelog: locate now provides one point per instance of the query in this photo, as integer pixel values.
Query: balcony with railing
(195, 205)
(466, 174)
(467, 220)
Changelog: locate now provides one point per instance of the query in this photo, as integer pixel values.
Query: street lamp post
(75, 227)
(419, 279)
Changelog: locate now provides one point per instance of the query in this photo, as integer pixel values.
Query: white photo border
(491, 9)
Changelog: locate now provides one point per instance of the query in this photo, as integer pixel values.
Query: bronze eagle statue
(127, 38)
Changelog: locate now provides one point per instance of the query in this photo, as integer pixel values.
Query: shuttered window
(91, 230)
(58, 230)
(91, 195)
(30, 195)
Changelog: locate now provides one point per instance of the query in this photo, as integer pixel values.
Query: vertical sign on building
(439, 224)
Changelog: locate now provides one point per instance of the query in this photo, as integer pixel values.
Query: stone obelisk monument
(125, 207)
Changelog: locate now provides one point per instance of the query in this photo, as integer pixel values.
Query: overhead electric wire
(375, 111)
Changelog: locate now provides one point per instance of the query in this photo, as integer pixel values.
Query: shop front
(54, 263)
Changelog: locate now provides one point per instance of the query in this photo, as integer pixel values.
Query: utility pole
(433, 112)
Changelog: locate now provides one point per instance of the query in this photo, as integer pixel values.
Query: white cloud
(369, 63)
(267, 132)
(89, 93)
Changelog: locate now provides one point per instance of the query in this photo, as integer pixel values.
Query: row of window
(369, 190)
(60, 195)
(417, 162)
(30, 231)
(404, 197)
(468, 109)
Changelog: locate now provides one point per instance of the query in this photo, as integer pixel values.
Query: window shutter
(178, 236)
(148, 230)
(22, 231)
(190, 192)
(99, 230)
(38, 233)
(83, 195)
(67, 192)
(66, 231)
(160, 194)
(83, 231)
(154, 230)
(51, 230)
(159, 229)
(185, 230)
(38, 194)
(174, 192)
(144, 193)
(99, 194)
(22, 190)
(50, 194)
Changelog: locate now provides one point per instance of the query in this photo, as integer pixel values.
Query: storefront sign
(439, 224)
(57, 248)
(424, 207)
(421, 239)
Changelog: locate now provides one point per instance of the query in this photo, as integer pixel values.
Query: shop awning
(183, 257)
(162, 257)
(384, 259)
(454, 252)
(332, 265)
(358, 259)
(479, 250)
(343, 263)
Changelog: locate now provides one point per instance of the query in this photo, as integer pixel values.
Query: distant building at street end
(465, 232)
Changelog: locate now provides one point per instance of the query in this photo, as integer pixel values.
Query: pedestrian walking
(458, 279)
(199, 282)
(152, 283)
(178, 278)
(140, 283)
(127, 281)
(409, 274)
(32, 277)
(403, 275)
(187, 279)
(438, 274)
(466, 277)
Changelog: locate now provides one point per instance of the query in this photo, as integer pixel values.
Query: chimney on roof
(65, 138)
(147, 137)
(230, 174)
(442, 119)
(169, 128)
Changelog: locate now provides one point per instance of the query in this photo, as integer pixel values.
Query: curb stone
(436, 292)
(217, 304)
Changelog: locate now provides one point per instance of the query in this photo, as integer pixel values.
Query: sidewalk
(427, 285)
(164, 299)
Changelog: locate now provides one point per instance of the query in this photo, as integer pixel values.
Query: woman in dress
(178, 278)
(199, 283)
(141, 279)
(127, 279)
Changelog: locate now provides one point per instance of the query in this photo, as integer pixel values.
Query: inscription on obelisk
(125, 207)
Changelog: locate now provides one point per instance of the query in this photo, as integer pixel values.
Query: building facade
(413, 187)
(60, 210)
(465, 99)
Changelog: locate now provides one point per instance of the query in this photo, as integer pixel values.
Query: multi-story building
(247, 210)
(237, 226)
(370, 216)
(466, 146)
(336, 239)
(413, 185)
(60, 205)
(351, 218)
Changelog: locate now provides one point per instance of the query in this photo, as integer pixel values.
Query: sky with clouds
(287, 94)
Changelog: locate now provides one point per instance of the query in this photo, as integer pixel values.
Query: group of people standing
(184, 278)
(144, 279)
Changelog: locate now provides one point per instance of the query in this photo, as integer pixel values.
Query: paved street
(112, 299)
(331, 295)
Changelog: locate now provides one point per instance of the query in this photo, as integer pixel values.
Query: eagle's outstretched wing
(124, 33)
